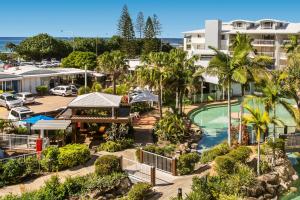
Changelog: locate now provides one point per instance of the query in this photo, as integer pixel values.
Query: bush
(31, 165)
(13, 169)
(74, 186)
(264, 167)
(211, 154)
(21, 130)
(107, 164)
(163, 151)
(53, 189)
(50, 159)
(139, 191)
(83, 90)
(113, 146)
(42, 89)
(72, 155)
(278, 144)
(186, 163)
(224, 165)
(241, 154)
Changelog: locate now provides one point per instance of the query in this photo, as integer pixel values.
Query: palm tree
(228, 69)
(153, 72)
(292, 45)
(180, 74)
(114, 64)
(260, 120)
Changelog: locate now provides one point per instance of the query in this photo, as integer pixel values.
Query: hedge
(114, 146)
(107, 164)
(42, 89)
(240, 154)
(224, 165)
(211, 154)
(139, 191)
(186, 163)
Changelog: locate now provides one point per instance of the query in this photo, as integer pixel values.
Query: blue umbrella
(34, 119)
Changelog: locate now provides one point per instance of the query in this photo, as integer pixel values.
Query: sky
(99, 18)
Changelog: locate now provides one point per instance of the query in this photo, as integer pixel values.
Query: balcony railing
(270, 54)
(263, 42)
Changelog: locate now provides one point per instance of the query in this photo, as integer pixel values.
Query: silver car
(26, 97)
(61, 90)
(10, 101)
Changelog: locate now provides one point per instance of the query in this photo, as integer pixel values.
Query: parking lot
(43, 104)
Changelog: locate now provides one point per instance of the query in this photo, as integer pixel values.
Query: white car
(61, 90)
(10, 101)
(19, 113)
(26, 97)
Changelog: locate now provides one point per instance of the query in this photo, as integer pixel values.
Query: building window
(267, 25)
(199, 36)
(188, 47)
(223, 37)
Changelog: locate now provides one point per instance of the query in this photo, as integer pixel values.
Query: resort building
(269, 37)
(27, 78)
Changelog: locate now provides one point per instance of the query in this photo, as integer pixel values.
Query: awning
(51, 125)
(145, 96)
(211, 79)
(34, 119)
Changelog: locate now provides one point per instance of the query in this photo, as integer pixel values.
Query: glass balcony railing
(263, 42)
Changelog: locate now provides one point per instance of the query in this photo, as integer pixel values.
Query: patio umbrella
(34, 119)
(145, 96)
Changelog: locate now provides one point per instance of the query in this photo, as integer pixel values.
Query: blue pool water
(213, 120)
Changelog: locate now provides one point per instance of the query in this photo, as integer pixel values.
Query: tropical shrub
(211, 154)
(224, 165)
(79, 59)
(277, 145)
(264, 167)
(186, 163)
(121, 89)
(96, 87)
(72, 155)
(50, 159)
(107, 164)
(119, 145)
(31, 165)
(240, 154)
(13, 169)
(83, 90)
(166, 150)
(42, 89)
(171, 128)
(21, 130)
(139, 191)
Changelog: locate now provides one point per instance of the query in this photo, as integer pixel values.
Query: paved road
(43, 104)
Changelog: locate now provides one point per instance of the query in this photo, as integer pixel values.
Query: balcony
(262, 42)
(283, 56)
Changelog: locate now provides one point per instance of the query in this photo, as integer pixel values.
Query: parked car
(74, 89)
(10, 101)
(19, 113)
(61, 90)
(26, 97)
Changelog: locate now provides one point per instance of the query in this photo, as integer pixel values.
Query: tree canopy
(78, 59)
(43, 46)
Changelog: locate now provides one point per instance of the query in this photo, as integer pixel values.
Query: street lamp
(72, 33)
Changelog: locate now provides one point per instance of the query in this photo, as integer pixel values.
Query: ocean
(16, 40)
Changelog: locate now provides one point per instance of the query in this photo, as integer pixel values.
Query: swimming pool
(213, 120)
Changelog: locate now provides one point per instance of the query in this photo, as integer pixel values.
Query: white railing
(263, 42)
(13, 141)
(271, 54)
(23, 157)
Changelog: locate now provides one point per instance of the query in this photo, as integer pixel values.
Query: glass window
(29, 95)
(10, 98)
(14, 113)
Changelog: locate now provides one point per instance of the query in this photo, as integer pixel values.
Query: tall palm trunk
(274, 133)
(114, 84)
(258, 152)
(241, 115)
(160, 97)
(229, 114)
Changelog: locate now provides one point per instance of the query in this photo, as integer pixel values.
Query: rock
(295, 177)
(194, 146)
(271, 178)
(255, 191)
(268, 196)
(272, 189)
(293, 189)
(251, 198)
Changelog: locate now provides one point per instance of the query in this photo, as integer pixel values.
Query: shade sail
(34, 119)
(145, 96)
(51, 125)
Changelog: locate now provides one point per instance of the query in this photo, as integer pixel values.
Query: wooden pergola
(99, 108)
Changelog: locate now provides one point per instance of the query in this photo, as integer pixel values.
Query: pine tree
(140, 24)
(156, 25)
(125, 26)
(149, 32)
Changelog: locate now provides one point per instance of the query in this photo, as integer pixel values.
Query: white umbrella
(145, 96)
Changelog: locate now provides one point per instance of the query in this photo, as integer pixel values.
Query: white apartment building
(269, 37)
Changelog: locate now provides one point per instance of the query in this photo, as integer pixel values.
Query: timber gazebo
(96, 107)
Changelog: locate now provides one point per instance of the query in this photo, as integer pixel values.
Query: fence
(24, 156)
(162, 163)
(28, 142)
(138, 171)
